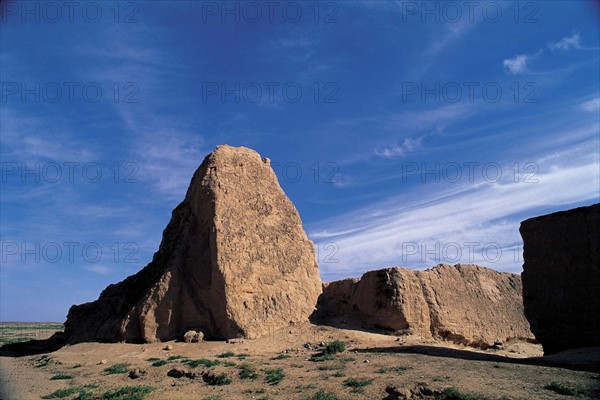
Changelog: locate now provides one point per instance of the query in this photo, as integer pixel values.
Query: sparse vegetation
(386, 370)
(334, 347)
(339, 374)
(61, 376)
(82, 392)
(157, 362)
(229, 364)
(212, 397)
(62, 393)
(302, 388)
(222, 379)
(176, 358)
(247, 371)
(455, 394)
(120, 368)
(322, 395)
(274, 376)
(329, 351)
(202, 361)
(227, 354)
(561, 388)
(242, 356)
(43, 361)
(319, 357)
(281, 357)
(357, 384)
(333, 367)
(128, 393)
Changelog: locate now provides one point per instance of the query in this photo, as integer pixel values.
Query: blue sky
(424, 132)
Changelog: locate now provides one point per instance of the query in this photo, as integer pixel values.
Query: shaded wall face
(466, 304)
(561, 278)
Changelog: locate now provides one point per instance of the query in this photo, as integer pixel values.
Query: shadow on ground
(579, 359)
(33, 347)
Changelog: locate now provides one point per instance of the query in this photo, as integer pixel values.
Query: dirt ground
(370, 364)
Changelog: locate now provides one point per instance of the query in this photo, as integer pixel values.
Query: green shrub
(159, 363)
(281, 357)
(227, 354)
(319, 357)
(61, 376)
(454, 394)
(334, 347)
(43, 361)
(128, 393)
(175, 358)
(61, 393)
(222, 379)
(561, 388)
(322, 395)
(202, 361)
(357, 384)
(120, 368)
(385, 370)
(247, 371)
(274, 376)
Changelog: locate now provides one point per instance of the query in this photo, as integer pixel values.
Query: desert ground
(291, 364)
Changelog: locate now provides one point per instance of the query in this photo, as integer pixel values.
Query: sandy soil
(515, 372)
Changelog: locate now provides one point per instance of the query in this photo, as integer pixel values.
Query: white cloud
(592, 105)
(168, 160)
(98, 269)
(385, 234)
(517, 64)
(21, 141)
(408, 145)
(166, 154)
(566, 43)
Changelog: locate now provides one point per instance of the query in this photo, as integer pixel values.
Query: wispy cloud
(517, 64)
(22, 138)
(566, 43)
(592, 105)
(168, 159)
(450, 35)
(482, 214)
(397, 150)
(98, 269)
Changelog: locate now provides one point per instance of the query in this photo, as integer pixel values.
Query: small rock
(136, 373)
(396, 393)
(168, 347)
(309, 346)
(103, 362)
(366, 361)
(424, 390)
(177, 373)
(193, 337)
